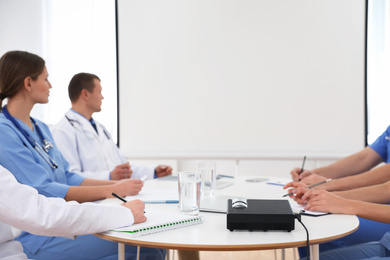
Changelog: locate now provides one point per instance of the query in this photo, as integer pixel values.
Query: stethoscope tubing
(71, 121)
(31, 140)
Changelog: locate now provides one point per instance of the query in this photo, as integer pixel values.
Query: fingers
(295, 174)
(126, 170)
(168, 170)
(137, 207)
(137, 182)
(294, 185)
(122, 171)
(298, 190)
(304, 174)
(128, 186)
(316, 205)
(163, 170)
(135, 186)
(310, 194)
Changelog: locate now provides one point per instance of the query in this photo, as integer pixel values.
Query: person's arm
(373, 186)
(351, 165)
(375, 176)
(379, 193)
(22, 207)
(319, 200)
(92, 190)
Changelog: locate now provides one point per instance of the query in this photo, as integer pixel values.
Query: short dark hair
(15, 67)
(79, 82)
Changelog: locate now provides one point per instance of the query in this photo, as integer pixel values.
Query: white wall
(72, 36)
(25, 32)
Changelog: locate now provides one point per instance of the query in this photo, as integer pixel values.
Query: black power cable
(298, 216)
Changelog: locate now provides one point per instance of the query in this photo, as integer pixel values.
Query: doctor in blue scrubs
(28, 151)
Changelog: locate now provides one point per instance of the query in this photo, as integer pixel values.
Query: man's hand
(127, 187)
(121, 171)
(163, 170)
(137, 207)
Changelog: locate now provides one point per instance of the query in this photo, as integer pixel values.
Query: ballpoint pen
(303, 164)
(119, 197)
(310, 186)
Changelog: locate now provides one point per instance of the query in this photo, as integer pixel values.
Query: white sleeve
(22, 207)
(140, 171)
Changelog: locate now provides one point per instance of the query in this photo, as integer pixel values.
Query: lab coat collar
(84, 122)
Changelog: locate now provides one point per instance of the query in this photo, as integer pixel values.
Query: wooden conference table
(212, 235)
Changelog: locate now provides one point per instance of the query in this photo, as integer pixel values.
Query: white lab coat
(91, 154)
(22, 207)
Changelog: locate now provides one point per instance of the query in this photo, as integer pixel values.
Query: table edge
(245, 247)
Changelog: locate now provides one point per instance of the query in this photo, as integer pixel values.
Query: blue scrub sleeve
(381, 145)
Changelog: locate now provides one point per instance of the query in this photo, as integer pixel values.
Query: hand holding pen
(300, 188)
(296, 172)
(137, 208)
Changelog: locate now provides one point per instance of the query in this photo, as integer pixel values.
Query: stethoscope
(80, 128)
(41, 149)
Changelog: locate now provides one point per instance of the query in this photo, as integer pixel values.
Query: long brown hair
(15, 66)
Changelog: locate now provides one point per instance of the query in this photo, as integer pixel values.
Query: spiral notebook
(159, 221)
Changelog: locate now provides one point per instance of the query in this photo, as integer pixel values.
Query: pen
(160, 201)
(310, 186)
(303, 164)
(119, 197)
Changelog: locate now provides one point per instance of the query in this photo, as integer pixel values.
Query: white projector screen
(222, 78)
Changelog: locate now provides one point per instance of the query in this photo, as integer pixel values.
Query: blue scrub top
(25, 163)
(28, 167)
(382, 145)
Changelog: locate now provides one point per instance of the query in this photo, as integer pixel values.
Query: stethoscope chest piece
(46, 146)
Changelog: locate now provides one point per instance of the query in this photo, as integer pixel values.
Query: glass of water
(208, 177)
(189, 192)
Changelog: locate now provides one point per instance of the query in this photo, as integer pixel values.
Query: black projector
(255, 214)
